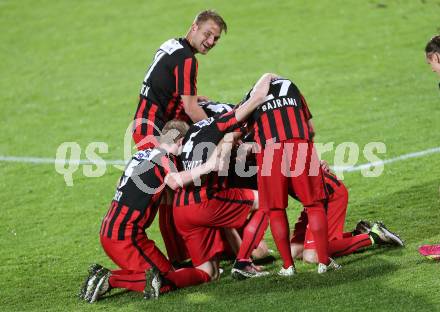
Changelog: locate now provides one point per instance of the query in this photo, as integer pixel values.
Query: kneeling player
(131, 212)
(340, 243)
(201, 212)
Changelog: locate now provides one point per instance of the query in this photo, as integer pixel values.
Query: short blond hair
(211, 15)
(173, 131)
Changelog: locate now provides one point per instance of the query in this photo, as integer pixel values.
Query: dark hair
(211, 15)
(433, 46)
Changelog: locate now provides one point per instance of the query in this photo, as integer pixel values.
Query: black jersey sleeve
(308, 115)
(227, 122)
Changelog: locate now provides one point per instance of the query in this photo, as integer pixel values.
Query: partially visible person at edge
(432, 52)
(169, 89)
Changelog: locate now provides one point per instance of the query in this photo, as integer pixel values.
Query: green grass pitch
(71, 71)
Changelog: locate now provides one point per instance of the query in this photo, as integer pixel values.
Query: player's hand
(173, 180)
(202, 98)
(325, 166)
(262, 86)
(213, 162)
(273, 76)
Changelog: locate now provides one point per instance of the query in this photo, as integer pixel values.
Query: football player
(283, 130)
(169, 89)
(202, 211)
(132, 211)
(341, 243)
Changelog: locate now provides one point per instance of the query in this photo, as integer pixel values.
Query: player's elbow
(172, 185)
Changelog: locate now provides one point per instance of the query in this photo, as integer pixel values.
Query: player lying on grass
(133, 210)
(340, 243)
(432, 52)
(283, 131)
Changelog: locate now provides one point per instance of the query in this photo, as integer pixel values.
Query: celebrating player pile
(186, 172)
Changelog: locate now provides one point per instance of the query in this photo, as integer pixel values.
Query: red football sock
(318, 226)
(279, 226)
(122, 272)
(132, 280)
(346, 246)
(253, 233)
(187, 277)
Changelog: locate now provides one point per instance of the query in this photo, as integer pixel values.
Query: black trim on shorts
(333, 178)
(351, 246)
(128, 281)
(134, 242)
(235, 201)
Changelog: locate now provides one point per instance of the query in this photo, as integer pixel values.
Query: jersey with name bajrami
(283, 115)
(138, 193)
(198, 145)
(172, 73)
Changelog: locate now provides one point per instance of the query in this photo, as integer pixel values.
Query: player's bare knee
(296, 250)
(210, 268)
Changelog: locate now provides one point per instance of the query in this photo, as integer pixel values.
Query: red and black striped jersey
(283, 115)
(172, 73)
(137, 195)
(198, 144)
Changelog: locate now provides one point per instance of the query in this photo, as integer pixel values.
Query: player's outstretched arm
(180, 179)
(224, 149)
(257, 96)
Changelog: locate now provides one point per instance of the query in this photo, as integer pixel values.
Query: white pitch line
(38, 160)
(387, 161)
